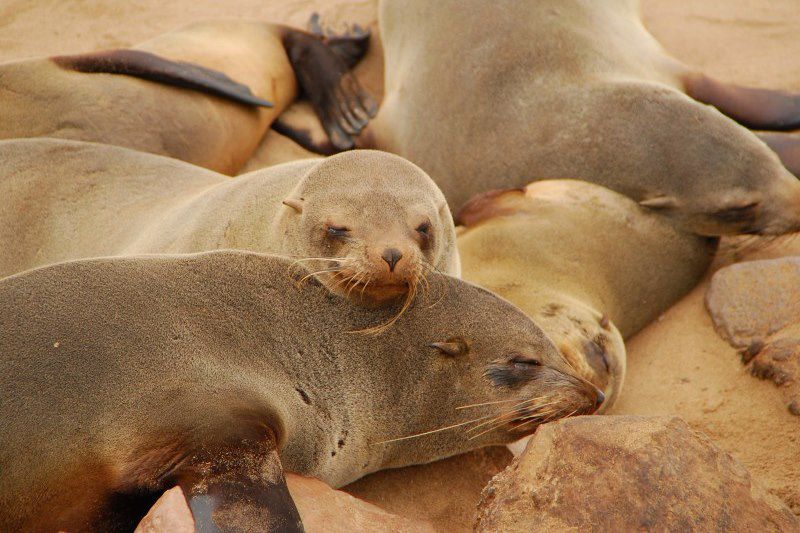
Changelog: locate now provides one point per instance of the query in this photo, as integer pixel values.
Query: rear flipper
(321, 67)
(239, 488)
(151, 67)
(759, 109)
(350, 46)
(786, 145)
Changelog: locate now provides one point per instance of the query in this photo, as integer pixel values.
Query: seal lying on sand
(576, 89)
(371, 223)
(588, 265)
(241, 76)
(122, 377)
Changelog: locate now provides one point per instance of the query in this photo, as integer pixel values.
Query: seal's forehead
(371, 168)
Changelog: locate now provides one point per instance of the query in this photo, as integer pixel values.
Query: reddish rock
(627, 473)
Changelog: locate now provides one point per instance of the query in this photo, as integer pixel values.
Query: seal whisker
(377, 330)
(431, 431)
(485, 403)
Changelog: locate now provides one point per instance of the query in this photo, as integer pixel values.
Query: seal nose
(391, 256)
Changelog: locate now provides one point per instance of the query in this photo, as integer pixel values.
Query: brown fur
(128, 368)
(568, 89)
(68, 200)
(585, 263)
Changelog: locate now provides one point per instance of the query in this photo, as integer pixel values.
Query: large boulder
(627, 473)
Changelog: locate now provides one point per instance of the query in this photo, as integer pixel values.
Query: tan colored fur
(66, 200)
(588, 265)
(488, 95)
(40, 99)
(120, 367)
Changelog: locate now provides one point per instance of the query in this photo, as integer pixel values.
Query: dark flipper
(151, 67)
(760, 109)
(787, 146)
(341, 104)
(350, 46)
(239, 488)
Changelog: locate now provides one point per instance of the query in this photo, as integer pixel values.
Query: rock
(322, 509)
(445, 492)
(756, 306)
(753, 300)
(169, 514)
(627, 473)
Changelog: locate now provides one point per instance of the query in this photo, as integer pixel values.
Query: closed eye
(424, 229)
(524, 363)
(337, 231)
(742, 213)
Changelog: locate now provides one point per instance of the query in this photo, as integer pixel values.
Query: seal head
(374, 224)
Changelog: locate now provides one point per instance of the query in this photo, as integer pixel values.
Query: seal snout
(391, 256)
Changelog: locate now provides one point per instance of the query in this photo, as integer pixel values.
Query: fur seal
(587, 264)
(122, 377)
(371, 222)
(575, 89)
(241, 76)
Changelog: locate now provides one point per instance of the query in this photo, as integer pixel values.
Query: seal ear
(660, 202)
(452, 348)
(294, 203)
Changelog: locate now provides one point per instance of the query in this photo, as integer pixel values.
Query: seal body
(588, 265)
(372, 223)
(101, 97)
(569, 89)
(120, 377)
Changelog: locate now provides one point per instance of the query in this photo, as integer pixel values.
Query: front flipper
(239, 488)
(786, 145)
(147, 66)
(341, 104)
(760, 109)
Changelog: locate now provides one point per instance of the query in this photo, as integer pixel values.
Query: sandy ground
(677, 365)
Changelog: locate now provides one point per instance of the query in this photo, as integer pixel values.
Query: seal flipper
(147, 66)
(341, 104)
(786, 145)
(239, 488)
(349, 46)
(760, 109)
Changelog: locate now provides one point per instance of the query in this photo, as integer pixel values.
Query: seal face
(370, 225)
(579, 90)
(378, 221)
(212, 370)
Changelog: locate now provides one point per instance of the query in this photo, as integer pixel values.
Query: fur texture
(568, 89)
(112, 371)
(68, 200)
(588, 265)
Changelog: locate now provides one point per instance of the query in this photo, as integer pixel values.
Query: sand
(678, 365)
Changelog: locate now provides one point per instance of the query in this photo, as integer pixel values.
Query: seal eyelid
(524, 363)
(337, 231)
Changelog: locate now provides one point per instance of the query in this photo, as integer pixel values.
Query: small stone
(794, 408)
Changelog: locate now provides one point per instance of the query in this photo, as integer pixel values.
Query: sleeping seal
(587, 264)
(240, 76)
(578, 89)
(122, 377)
(371, 223)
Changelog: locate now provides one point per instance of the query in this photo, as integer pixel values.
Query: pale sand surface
(677, 365)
